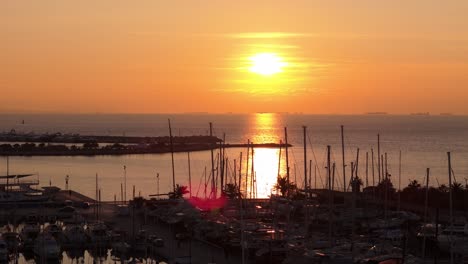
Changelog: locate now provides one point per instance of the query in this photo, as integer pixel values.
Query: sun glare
(266, 64)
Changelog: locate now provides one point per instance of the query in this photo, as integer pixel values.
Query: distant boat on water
(420, 114)
(376, 113)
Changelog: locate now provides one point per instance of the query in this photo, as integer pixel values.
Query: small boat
(13, 241)
(75, 236)
(119, 246)
(30, 231)
(46, 247)
(141, 241)
(98, 234)
(456, 236)
(15, 191)
(54, 230)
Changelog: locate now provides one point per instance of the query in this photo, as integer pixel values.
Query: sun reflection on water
(265, 160)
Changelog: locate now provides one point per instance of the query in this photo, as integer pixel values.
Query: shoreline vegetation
(77, 145)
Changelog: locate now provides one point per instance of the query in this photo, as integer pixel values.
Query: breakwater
(76, 145)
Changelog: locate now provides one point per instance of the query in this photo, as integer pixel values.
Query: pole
(310, 173)
(252, 175)
(235, 172)
(157, 181)
(451, 205)
(343, 155)
(8, 172)
(287, 153)
(305, 158)
(172, 155)
(399, 181)
(425, 213)
(333, 176)
(213, 189)
(330, 212)
(189, 174)
(125, 183)
(279, 160)
(247, 169)
(240, 173)
(121, 193)
(221, 163)
(367, 169)
(378, 155)
(373, 170)
(97, 197)
(357, 163)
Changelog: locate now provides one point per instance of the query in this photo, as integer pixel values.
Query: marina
(227, 219)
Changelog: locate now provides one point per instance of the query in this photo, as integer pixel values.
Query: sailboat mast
(213, 189)
(247, 170)
(279, 160)
(310, 173)
(373, 168)
(235, 173)
(287, 152)
(252, 176)
(450, 205)
(357, 164)
(189, 174)
(329, 197)
(97, 198)
(378, 155)
(399, 181)
(343, 155)
(425, 211)
(221, 164)
(367, 169)
(125, 183)
(240, 173)
(172, 154)
(8, 172)
(305, 157)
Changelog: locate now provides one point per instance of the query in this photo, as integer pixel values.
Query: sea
(411, 143)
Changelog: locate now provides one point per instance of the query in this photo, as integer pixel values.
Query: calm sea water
(423, 140)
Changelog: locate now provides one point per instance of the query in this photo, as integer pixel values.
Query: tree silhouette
(178, 192)
(231, 191)
(285, 187)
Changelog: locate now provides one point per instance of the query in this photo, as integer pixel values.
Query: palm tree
(443, 188)
(356, 184)
(412, 193)
(231, 191)
(284, 186)
(178, 192)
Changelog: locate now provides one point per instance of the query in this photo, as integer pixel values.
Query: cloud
(267, 35)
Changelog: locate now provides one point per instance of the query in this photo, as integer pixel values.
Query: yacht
(46, 247)
(15, 190)
(457, 236)
(75, 236)
(53, 229)
(12, 240)
(119, 246)
(30, 231)
(98, 234)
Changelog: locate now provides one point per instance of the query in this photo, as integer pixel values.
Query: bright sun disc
(266, 64)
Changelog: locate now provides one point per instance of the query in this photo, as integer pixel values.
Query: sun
(266, 64)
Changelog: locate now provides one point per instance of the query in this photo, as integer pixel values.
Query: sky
(336, 57)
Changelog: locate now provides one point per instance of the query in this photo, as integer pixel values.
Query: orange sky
(190, 56)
